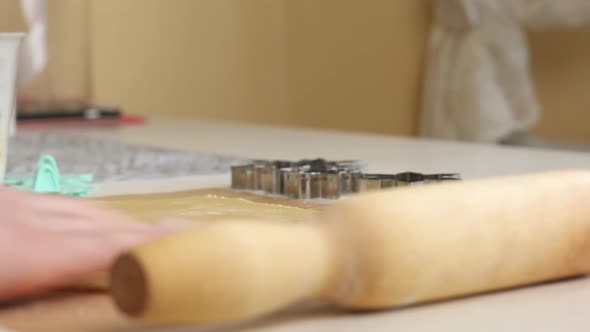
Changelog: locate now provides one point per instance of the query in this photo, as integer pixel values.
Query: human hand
(49, 241)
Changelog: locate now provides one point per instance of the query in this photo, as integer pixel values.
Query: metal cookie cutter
(293, 184)
(242, 177)
(412, 179)
(300, 183)
(320, 178)
(269, 176)
(258, 175)
(374, 182)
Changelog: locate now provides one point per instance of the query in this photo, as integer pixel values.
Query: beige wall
(356, 64)
(10, 18)
(218, 58)
(343, 64)
(561, 67)
(347, 64)
(67, 73)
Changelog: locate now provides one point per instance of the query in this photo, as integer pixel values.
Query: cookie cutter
(48, 180)
(319, 178)
(310, 183)
(322, 179)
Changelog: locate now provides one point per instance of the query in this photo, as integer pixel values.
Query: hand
(49, 241)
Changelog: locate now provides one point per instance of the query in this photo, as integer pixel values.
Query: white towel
(33, 56)
(477, 85)
(33, 53)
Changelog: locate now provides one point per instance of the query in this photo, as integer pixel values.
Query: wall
(67, 72)
(346, 64)
(356, 64)
(215, 58)
(561, 67)
(343, 64)
(10, 18)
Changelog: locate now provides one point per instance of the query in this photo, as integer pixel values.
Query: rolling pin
(374, 251)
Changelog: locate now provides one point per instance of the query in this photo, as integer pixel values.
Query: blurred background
(355, 65)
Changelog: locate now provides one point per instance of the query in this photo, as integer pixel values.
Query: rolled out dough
(206, 208)
(204, 205)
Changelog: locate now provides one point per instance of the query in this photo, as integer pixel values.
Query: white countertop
(553, 307)
(384, 153)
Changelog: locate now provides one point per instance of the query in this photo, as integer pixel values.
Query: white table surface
(559, 306)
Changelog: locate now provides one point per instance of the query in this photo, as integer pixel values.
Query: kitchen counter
(559, 306)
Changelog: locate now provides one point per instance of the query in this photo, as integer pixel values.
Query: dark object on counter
(319, 178)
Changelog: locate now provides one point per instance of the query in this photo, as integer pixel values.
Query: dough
(206, 205)
(206, 208)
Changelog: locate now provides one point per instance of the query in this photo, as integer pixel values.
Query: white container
(9, 47)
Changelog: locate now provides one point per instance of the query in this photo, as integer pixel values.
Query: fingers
(78, 209)
(89, 223)
(50, 241)
(55, 213)
(5, 330)
(60, 258)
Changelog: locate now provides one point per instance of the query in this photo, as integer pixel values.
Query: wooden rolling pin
(376, 251)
